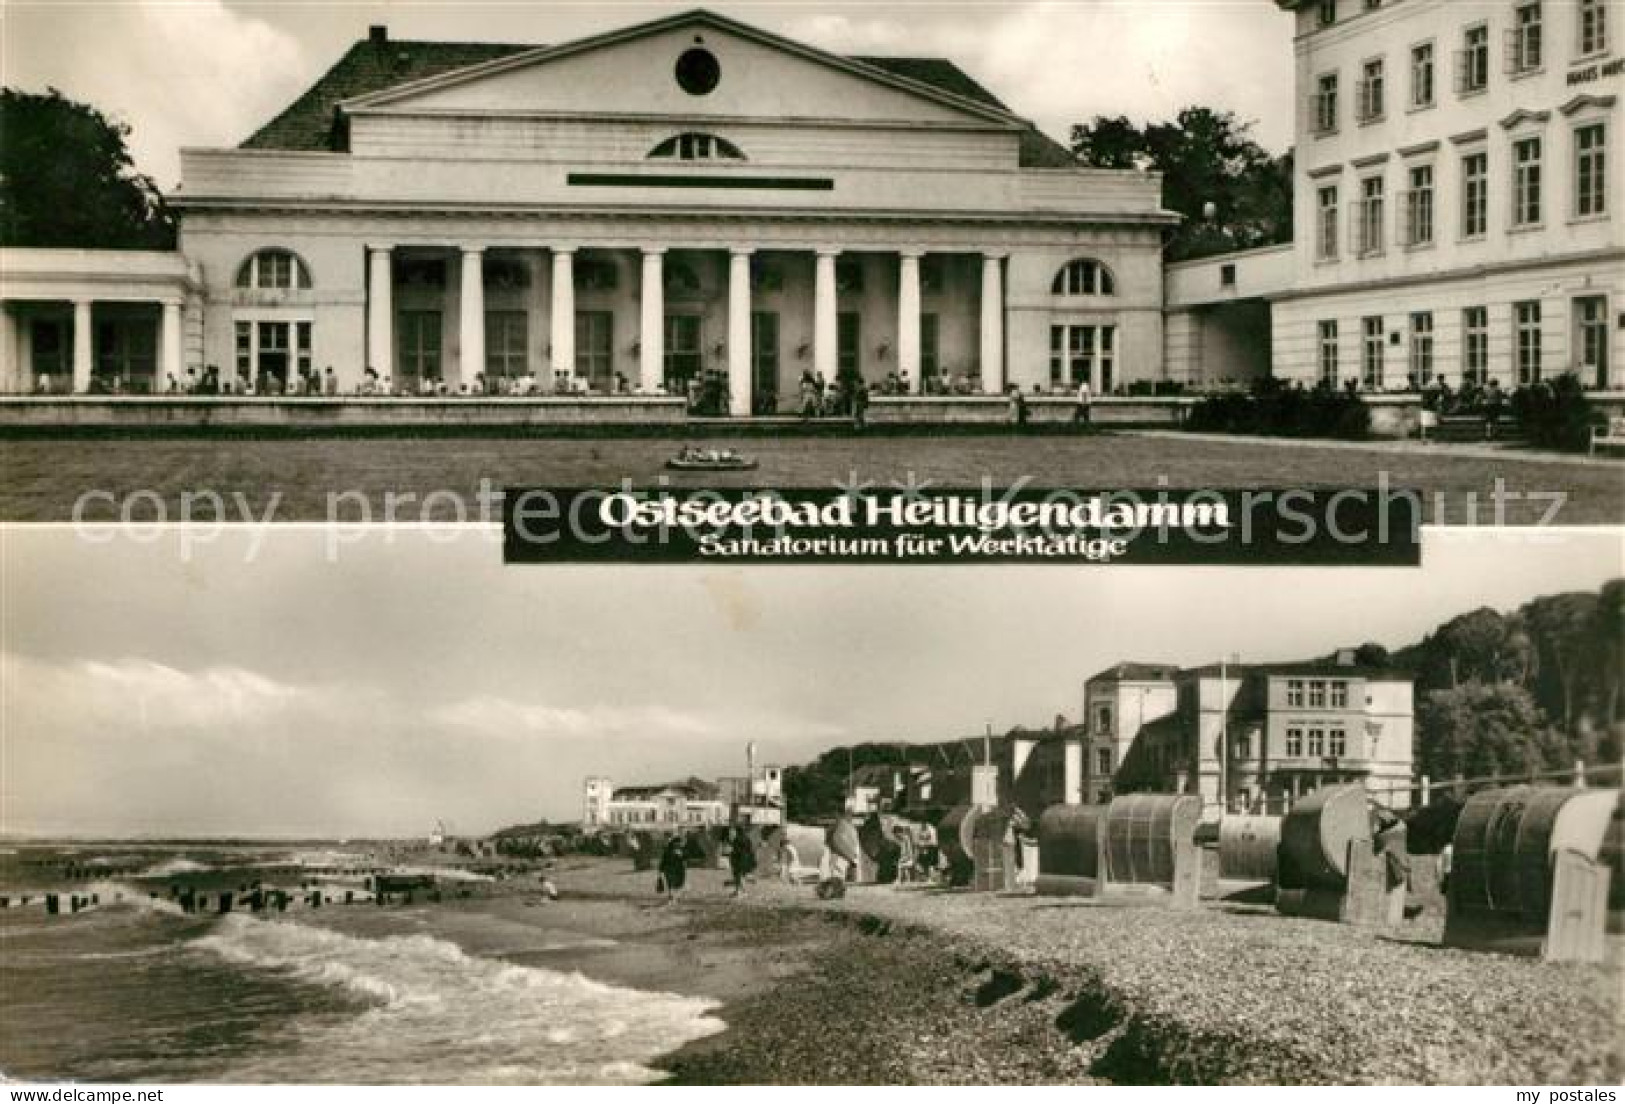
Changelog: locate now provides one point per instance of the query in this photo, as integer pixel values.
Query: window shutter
(1509, 45)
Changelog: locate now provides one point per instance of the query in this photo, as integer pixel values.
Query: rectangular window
(1294, 743)
(1591, 340)
(1103, 761)
(507, 335)
(1317, 694)
(1326, 237)
(1103, 720)
(1419, 207)
(1593, 27)
(1370, 97)
(1326, 14)
(1242, 747)
(1337, 741)
(1328, 352)
(1475, 195)
(1371, 355)
(848, 341)
(245, 350)
(301, 348)
(1475, 328)
(1422, 75)
(1473, 63)
(420, 348)
(1324, 106)
(1590, 170)
(930, 360)
(595, 349)
(1526, 330)
(1079, 353)
(1524, 40)
(683, 350)
(1526, 182)
(1317, 742)
(1340, 695)
(764, 359)
(1294, 692)
(1371, 216)
(1421, 348)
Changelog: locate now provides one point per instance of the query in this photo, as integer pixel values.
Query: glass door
(764, 361)
(1591, 318)
(685, 356)
(274, 352)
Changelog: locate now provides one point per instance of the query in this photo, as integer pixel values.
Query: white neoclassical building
(1457, 196)
(686, 197)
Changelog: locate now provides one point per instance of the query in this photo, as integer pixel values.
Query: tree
(1480, 730)
(1481, 646)
(67, 179)
(1205, 157)
(1372, 655)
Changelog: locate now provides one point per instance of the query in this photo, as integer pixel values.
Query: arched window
(694, 146)
(273, 270)
(1084, 277)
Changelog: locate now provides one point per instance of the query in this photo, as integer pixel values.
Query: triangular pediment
(732, 71)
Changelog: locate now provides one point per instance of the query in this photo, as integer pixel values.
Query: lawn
(352, 479)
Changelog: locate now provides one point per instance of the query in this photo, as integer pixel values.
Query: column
(908, 318)
(824, 329)
(380, 311)
(564, 315)
(992, 323)
(12, 376)
(652, 323)
(169, 344)
(471, 313)
(739, 332)
(81, 346)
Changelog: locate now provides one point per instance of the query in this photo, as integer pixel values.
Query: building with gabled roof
(690, 206)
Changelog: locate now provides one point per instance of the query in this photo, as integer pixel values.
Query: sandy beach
(919, 985)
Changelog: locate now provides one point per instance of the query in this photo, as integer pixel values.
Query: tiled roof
(312, 122)
(371, 65)
(1137, 672)
(1315, 668)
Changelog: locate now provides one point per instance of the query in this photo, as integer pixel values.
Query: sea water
(135, 990)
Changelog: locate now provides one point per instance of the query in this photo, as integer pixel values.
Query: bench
(1609, 436)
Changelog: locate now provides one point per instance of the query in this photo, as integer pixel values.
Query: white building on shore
(1456, 194)
(689, 197)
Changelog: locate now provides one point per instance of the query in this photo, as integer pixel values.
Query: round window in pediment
(698, 71)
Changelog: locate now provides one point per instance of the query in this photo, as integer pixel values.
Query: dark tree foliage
(1484, 730)
(67, 180)
(1562, 656)
(1205, 156)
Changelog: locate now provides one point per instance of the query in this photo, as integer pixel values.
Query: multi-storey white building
(1457, 208)
(690, 804)
(1251, 736)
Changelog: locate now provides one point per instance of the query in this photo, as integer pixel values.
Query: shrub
(1275, 409)
(1555, 415)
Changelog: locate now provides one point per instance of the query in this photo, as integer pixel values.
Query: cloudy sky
(210, 72)
(416, 679)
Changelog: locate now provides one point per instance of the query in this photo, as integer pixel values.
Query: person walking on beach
(673, 869)
(741, 858)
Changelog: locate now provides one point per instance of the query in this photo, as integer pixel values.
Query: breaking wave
(467, 1019)
(169, 868)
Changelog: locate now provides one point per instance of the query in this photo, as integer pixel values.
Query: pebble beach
(918, 985)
